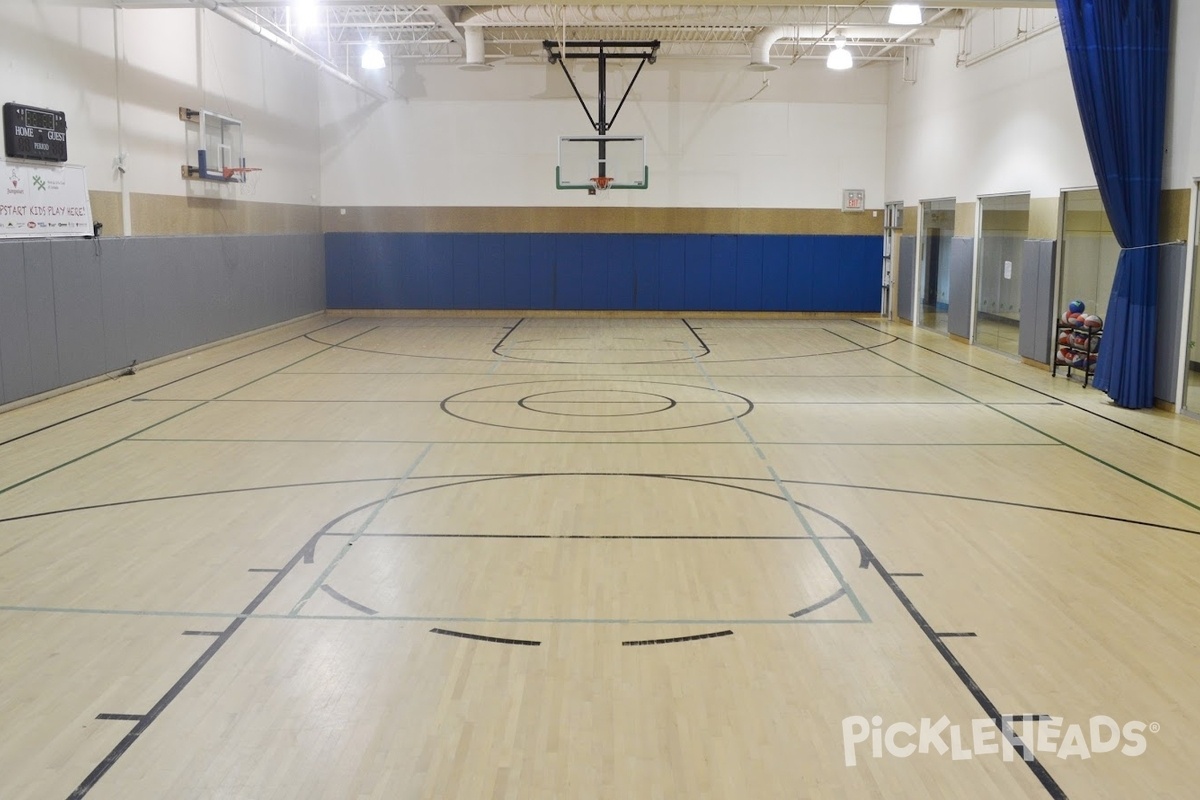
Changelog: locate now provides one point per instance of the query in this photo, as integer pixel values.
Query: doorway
(937, 232)
(1003, 229)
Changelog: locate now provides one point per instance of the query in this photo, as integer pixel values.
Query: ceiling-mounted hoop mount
(602, 52)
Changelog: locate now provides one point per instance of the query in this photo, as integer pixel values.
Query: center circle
(602, 398)
(576, 405)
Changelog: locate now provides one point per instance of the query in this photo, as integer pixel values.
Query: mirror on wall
(1004, 227)
(1088, 254)
(937, 231)
(1191, 380)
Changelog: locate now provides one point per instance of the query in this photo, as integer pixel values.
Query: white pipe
(473, 46)
(666, 16)
(290, 47)
(760, 47)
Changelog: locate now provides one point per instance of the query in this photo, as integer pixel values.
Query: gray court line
(837, 573)
(1053, 439)
(102, 448)
(115, 612)
(341, 598)
(358, 534)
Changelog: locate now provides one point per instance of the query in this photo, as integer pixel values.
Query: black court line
(1028, 757)
(168, 383)
(955, 634)
(585, 536)
(521, 402)
(551, 442)
(1057, 399)
(819, 604)
(477, 478)
(1028, 717)
(128, 436)
(456, 399)
(201, 633)
(908, 574)
(1030, 426)
(499, 344)
(148, 719)
(673, 640)
(477, 637)
(263, 569)
(593, 349)
(122, 717)
(868, 558)
(341, 598)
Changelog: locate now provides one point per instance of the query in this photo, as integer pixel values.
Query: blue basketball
(1076, 307)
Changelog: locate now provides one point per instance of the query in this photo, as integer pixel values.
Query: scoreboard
(36, 133)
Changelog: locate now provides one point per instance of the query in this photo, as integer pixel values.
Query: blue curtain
(1117, 51)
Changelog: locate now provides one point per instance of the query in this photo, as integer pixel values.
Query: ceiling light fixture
(372, 57)
(905, 14)
(839, 56)
(306, 14)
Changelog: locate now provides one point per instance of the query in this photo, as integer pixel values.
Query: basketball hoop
(229, 173)
(601, 182)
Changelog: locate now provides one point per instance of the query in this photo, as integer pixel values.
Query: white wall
(1182, 165)
(1006, 124)
(490, 139)
(121, 76)
(62, 58)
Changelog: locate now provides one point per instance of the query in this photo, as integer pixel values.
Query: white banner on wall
(38, 201)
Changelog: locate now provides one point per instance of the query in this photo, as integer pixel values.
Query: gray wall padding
(1037, 300)
(906, 276)
(1172, 300)
(962, 252)
(75, 309)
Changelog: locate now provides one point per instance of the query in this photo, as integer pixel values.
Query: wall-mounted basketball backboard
(214, 147)
(599, 163)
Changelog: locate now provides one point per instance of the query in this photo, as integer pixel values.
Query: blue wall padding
(603, 271)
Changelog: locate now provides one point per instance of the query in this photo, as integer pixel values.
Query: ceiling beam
(451, 10)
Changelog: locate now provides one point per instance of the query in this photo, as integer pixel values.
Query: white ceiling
(336, 31)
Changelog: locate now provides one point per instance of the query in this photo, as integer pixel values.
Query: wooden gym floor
(596, 558)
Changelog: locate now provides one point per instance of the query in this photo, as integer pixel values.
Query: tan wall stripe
(466, 219)
(166, 215)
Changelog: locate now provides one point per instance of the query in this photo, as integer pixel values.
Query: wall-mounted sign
(43, 200)
(854, 200)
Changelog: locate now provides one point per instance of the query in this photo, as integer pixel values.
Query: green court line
(116, 612)
(1056, 440)
(102, 448)
(345, 549)
(837, 573)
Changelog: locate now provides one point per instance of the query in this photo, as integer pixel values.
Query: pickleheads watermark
(1046, 735)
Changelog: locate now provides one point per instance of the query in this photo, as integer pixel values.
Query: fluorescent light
(306, 14)
(372, 58)
(839, 56)
(905, 14)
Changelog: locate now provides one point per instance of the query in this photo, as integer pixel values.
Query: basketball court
(547, 557)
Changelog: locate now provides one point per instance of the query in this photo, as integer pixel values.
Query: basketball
(1076, 307)
(1066, 355)
(1092, 321)
(1064, 337)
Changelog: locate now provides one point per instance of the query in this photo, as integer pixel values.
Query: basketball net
(600, 184)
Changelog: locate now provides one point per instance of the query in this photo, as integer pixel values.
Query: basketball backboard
(584, 159)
